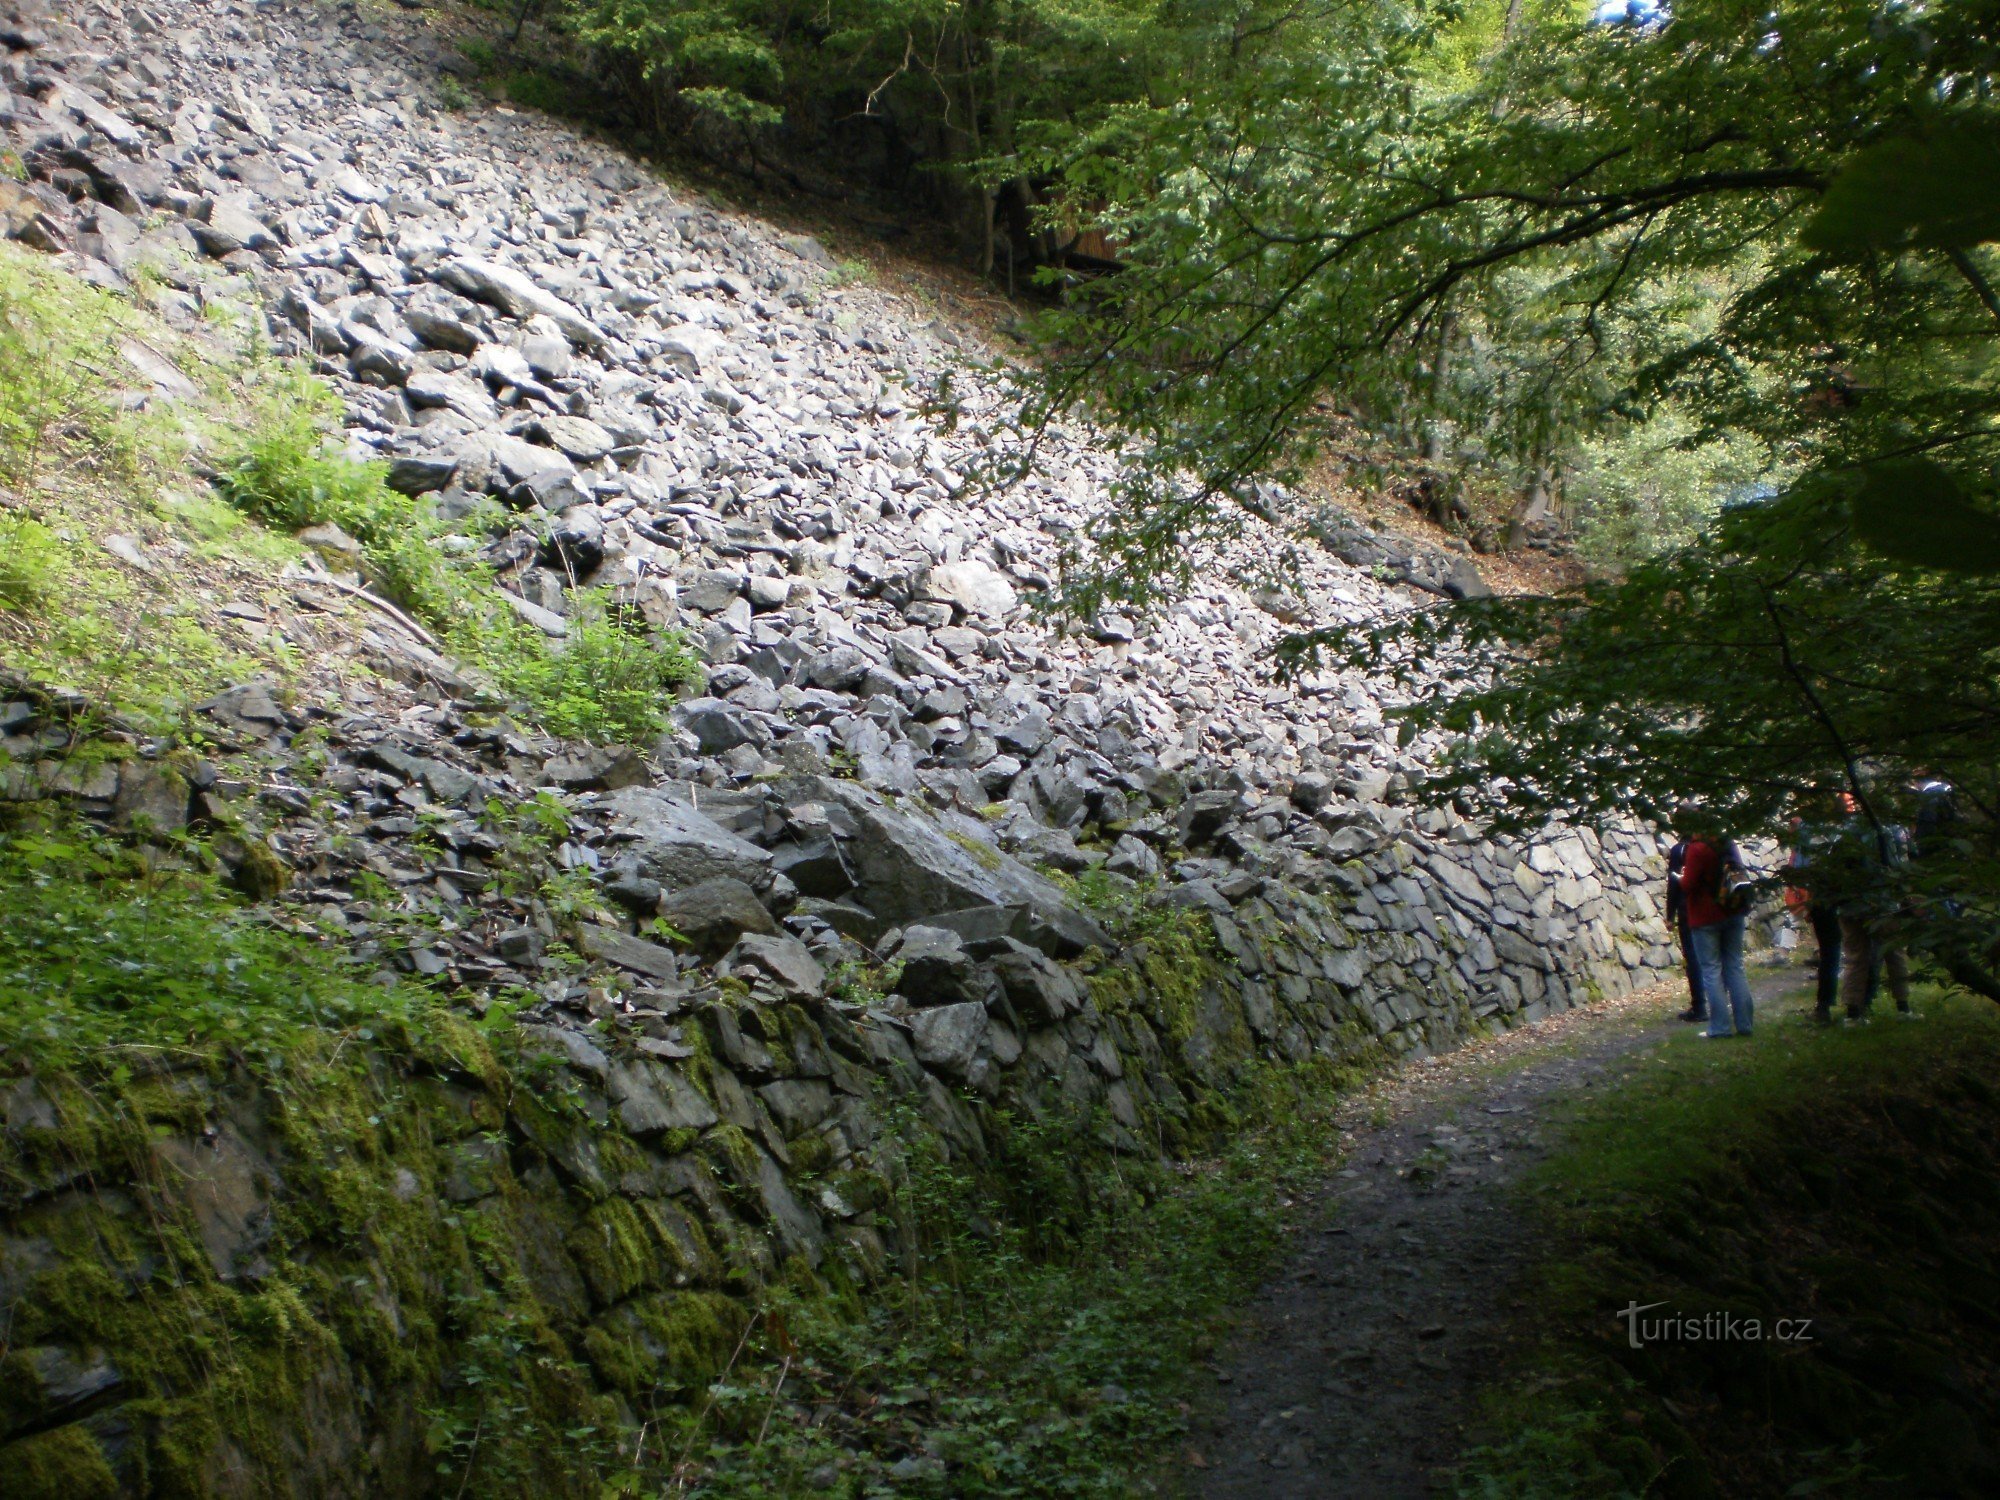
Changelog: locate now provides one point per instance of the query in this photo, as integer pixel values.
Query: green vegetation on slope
(84, 472)
(1849, 1177)
(1041, 1338)
(603, 682)
(1036, 1332)
(113, 557)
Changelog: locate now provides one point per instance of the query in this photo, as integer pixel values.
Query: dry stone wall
(930, 856)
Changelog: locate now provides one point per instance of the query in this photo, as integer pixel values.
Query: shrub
(281, 473)
(55, 400)
(30, 562)
(604, 682)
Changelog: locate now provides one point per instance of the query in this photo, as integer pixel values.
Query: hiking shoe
(1823, 1017)
(1692, 1015)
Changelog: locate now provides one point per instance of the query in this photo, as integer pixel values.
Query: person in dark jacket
(1871, 919)
(1677, 926)
(1812, 844)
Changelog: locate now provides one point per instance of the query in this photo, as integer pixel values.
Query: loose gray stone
(577, 437)
(784, 961)
(713, 914)
(628, 952)
(973, 587)
(652, 1098)
(676, 845)
(946, 1038)
(516, 294)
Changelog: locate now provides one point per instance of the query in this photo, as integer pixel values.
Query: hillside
(680, 819)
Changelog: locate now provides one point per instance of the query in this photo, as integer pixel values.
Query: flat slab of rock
(784, 961)
(629, 952)
(973, 586)
(907, 869)
(713, 914)
(517, 295)
(578, 437)
(229, 228)
(676, 845)
(691, 348)
(652, 1098)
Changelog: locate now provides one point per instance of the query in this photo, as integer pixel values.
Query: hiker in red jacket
(1718, 910)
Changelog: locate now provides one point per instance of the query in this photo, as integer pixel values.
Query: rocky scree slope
(872, 831)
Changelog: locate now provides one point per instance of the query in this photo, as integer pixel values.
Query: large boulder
(907, 868)
(652, 1098)
(937, 970)
(972, 587)
(1202, 815)
(677, 846)
(947, 1038)
(690, 348)
(1041, 990)
(784, 962)
(517, 295)
(713, 914)
(718, 726)
(816, 866)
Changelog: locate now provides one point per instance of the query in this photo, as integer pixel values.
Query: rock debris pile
(872, 828)
(684, 406)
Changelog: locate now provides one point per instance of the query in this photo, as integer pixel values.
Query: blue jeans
(1719, 947)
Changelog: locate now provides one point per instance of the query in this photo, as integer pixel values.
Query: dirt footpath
(1355, 1372)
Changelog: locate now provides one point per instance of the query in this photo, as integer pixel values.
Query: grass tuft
(30, 563)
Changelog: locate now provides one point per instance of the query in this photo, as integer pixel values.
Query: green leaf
(1936, 191)
(1915, 511)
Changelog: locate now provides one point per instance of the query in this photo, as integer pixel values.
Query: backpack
(1937, 811)
(1735, 886)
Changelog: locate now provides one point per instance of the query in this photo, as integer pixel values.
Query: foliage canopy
(1767, 227)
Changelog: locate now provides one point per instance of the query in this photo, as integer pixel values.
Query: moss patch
(264, 1246)
(67, 1464)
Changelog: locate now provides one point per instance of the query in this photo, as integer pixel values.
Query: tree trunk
(1433, 448)
(1534, 508)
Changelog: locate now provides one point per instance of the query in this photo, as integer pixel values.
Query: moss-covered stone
(616, 1251)
(677, 1339)
(66, 1464)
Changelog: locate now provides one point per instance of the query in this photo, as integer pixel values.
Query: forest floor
(1356, 1370)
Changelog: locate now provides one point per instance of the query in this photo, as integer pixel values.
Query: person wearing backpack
(1719, 891)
